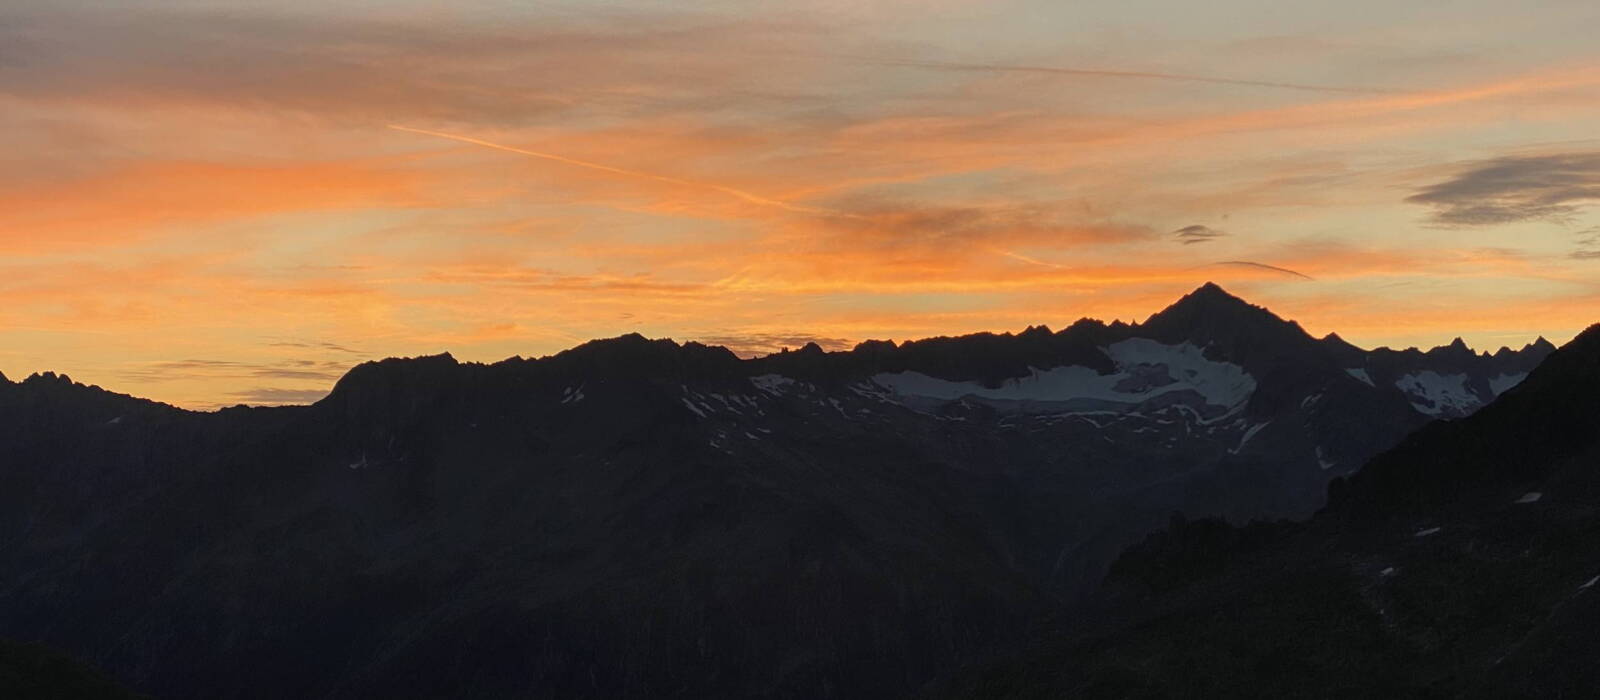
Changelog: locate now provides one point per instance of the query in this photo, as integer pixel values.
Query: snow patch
(1361, 374)
(1247, 435)
(1429, 531)
(1500, 384)
(1146, 370)
(1324, 462)
(771, 383)
(1387, 572)
(1590, 584)
(1530, 497)
(1434, 394)
(691, 406)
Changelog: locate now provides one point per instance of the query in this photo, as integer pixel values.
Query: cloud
(1262, 266)
(1514, 189)
(182, 370)
(317, 345)
(128, 200)
(1588, 244)
(378, 68)
(901, 226)
(1126, 74)
(274, 396)
(730, 191)
(1196, 233)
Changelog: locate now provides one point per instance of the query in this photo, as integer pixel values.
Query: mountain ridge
(1461, 563)
(1208, 314)
(669, 514)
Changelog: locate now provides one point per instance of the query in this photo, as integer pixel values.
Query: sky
(210, 203)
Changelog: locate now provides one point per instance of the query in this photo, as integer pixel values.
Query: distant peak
(1455, 347)
(1334, 340)
(1212, 289)
(1208, 300)
(47, 378)
(874, 346)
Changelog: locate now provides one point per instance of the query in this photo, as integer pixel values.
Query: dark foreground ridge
(638, 518)
(1463, 563)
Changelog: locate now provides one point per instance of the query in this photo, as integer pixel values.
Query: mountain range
(642, 518)
(1462, 563)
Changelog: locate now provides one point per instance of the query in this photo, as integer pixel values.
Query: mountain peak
(1210, 307)
(1213, 318)
(1209, 297)
(1212, 290)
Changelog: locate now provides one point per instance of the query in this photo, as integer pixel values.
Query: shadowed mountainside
(639, 518)
(1463, 563)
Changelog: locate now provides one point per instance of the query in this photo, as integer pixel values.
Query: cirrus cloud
(1197, 233)
(1512, 189)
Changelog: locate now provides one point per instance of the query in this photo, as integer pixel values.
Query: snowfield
(1146, 370)
(1437, 394)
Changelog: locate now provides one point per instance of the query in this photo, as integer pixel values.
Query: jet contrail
(1263, 266)
(1031, 261)
(741, 194)
(1088, 73)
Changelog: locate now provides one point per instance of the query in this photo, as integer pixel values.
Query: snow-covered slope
(1146, 370)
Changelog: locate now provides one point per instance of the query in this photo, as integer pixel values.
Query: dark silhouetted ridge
(1552, 416)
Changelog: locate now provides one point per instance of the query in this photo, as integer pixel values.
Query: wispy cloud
(274, 396)
(1128, 74)
(1262, 266)
(1513, 189)
(1588, 244)
(179, 370)
(625, 172)
(316, 345)
(1197, 233)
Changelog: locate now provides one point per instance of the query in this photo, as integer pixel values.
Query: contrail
(1141, 75)
(1263, 266)
(741, 194)
(1031, 261)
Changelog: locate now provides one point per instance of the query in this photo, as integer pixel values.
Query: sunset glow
(208, 205)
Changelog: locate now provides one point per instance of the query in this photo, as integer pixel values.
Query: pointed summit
(1210, 316)
(1209, 305)
(1456, 349)
(1211, 292)
(1208, 301)
(1347, 352)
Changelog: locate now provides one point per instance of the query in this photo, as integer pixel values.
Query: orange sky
(209, 205)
